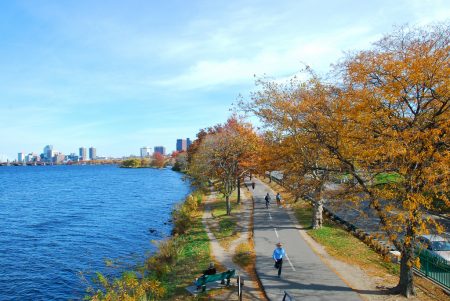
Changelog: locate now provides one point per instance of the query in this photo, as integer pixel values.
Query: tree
(158, 160)
(180, 161)
(386, 114)
(396, 106)
(224, 154)
(288, 112)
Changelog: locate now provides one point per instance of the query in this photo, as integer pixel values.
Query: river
(59, 221)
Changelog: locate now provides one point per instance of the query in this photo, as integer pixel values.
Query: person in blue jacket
(278, 255)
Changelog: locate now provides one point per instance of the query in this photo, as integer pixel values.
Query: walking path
(224, 257)
(305, 276)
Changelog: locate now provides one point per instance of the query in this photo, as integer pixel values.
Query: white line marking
(270, 216)
(290, 262)
(276, 233)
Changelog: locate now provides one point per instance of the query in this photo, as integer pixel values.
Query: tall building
(92, 153)
(82, 154)
(146, 151)
(48, 153)
(160, 149)
(188, 143)
(181, 145)
(32, 157)
(59, 158)
(21, 157)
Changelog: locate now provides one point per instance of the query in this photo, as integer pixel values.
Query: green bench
(202, 280)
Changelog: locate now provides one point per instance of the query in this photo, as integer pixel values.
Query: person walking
(278, 197)
(278, 255)
(253, 185)
(267, 198)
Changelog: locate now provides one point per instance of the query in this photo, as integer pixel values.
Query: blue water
(58, 221)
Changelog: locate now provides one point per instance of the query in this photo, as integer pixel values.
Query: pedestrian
(278, 197)
(211, 270)
(278, 255)
(267, 198)
(253, 185)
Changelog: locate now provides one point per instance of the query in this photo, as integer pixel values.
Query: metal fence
(434, 268)
(287, 297)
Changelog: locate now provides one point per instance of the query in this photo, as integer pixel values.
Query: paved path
(305, 276)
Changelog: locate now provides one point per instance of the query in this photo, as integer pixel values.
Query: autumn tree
(396, 105)
(247, 149)
(288, 112)
(386, 114)
(224, 154)
(180, 161)
(158, 160)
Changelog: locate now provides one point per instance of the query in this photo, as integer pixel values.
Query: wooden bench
(201, 281)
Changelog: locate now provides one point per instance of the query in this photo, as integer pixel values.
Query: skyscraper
(21, 157)
(181, 145)
(188, 143)
(92, 153)
(83, 153)
(160, 149)
(146, 151)
(48, 153)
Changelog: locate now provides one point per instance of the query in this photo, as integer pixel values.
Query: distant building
(160, 149)
(181, 145)
(83, 154)
(146, 151)
(48, 153)
(92, 153)
(59, 158)
(21, 157)
(73, 157)
(188, 143)
(32, 157)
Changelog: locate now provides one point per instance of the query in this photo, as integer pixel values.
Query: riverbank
(178, 261)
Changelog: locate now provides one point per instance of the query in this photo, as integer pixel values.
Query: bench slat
(216, 277)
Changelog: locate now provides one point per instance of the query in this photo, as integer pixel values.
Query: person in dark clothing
(267, 198)
(278, 197)
(211, 270)
(253, 185)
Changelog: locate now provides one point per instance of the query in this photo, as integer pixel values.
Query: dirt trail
(223, 256)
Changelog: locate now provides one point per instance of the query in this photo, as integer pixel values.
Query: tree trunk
(227, 199)
(317, 217)
(238, 190)
(406, 282)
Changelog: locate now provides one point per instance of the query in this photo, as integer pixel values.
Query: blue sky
(119, 75)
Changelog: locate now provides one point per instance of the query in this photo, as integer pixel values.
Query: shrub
(243, 254)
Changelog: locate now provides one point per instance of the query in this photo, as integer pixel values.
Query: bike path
(304, 276)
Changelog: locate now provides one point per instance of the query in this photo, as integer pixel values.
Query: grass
(193, 259)
(224, 227)
(341, 244)
(386, 178)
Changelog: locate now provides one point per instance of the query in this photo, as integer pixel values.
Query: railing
(240, 283)
(287, 297)
(434, 267)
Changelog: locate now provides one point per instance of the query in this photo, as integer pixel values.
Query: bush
(128, 287)
(243, 254)
(184, 214)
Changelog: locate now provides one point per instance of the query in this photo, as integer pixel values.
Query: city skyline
(121, 75)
